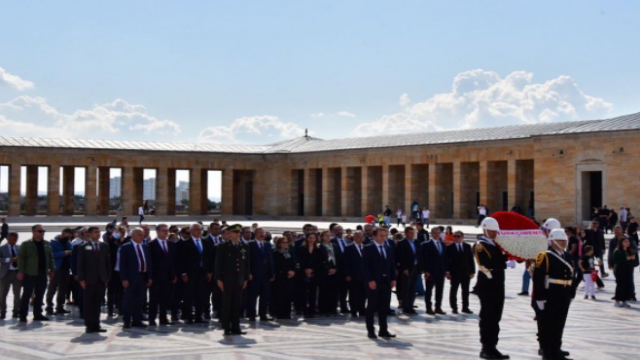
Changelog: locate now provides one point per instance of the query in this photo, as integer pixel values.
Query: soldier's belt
(559, 282)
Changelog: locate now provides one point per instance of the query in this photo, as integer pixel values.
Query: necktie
(438, 245)
(164, 247)
(13, 254)
(460, 247)
(199, 246)
(96, 247)
(382, 252)
(143, 268)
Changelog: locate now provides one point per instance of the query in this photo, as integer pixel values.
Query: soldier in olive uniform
(232, 274)
(553, 292)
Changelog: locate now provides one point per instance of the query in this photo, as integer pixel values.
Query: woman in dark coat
(310, 265)
(623, 259)
(327, 278)
(285, 267)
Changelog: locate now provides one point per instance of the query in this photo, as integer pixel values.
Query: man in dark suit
(232, 274)
(215, 236)
(94, 272)
(262, 274)
(4, 232)
(76, 244)
(379, 270)
(340, 245)
(408, 270)
(434, 266)
(422, 234)
(196, 269)
(462, 268)
(163, 254)
(136, 273)
(354, 275)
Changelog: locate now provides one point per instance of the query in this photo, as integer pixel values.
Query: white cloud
(267, 128)
(404, 100)
(318, 115)
(480, 98)
(14, 80)
(34, 117)
(345, 114)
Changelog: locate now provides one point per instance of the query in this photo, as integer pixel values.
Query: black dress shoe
(486, 355)
(152, 323)
(498, 355)
(386, 335)
(139, 325)
(454, 311)
(440, 312)
(524, 293)
(392, 312)
(62, 312)
(266, 318)
(467, 311)
(207, 316)
(430, 312)
(3, 316)
(165, 322)
(372, 335)
(40, 318)
(251, 319)
(227, 333)
(126, 326)
(564, 353)
(238, 332)
(409, 312)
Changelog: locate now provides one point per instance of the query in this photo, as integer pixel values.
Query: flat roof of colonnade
(307, 144)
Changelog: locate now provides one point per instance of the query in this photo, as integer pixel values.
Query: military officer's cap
(234, 228)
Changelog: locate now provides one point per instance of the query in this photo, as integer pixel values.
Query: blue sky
(259, 71)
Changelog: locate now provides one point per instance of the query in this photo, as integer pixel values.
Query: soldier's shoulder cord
(542, 257)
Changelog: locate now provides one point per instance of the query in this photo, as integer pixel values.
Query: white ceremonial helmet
(552, 224)
(490, 223)
(558, 234)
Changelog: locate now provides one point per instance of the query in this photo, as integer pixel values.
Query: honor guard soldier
(490, 288)
(231, 275)
(553, 292)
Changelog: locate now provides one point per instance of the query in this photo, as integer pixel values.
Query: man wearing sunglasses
(35, 263)
(462, 268)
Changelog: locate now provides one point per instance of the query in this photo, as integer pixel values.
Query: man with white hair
(136, 273)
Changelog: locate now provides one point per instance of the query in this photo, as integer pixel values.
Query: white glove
(540, 304)
(511, 264)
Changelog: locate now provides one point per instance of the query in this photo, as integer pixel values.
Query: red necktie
(142, 265)
(164, 247)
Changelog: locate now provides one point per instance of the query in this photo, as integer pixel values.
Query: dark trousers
(115, 293)
(32, 284)
(408, 289)
(133, 298)
(378, 302)
(491, 306)
(438, 282)
(328, 292)
(216, 298)
(196, 293)
(462, 282)
(357, 297)
(310, 295)
(343, 288)
(231, 307)
(176, 298)
(59, 287)
(282, 290)
(93, 296)
(551, 323)
(160, 297)
(258, 288)
(79, 298)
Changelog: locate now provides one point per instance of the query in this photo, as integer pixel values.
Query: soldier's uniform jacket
(552, 276)
(491, 263)
(232, 263)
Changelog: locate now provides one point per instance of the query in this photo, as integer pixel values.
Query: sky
(257, 72)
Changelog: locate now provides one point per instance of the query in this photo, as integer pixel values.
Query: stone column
(68, 189)
(348, 195)
(485, 191)
(326, 193)
(162, 191)
(104, 183)
(310, 192)
(195, 191)
(385, 188)
(31, 200)
(53, 190)
(512, 183)
(433, 192)
(127, 191)
(227, 192)
(14, 189)
(410, 174)
(365, 184)
(90, 191)
(457, 191)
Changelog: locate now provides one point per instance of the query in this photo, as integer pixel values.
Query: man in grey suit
(94, 272)
(8, 275)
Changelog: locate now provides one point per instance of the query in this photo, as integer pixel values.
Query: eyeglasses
(457, 236)
(41, 231)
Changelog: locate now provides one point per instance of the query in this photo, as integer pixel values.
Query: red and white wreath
(519, 237)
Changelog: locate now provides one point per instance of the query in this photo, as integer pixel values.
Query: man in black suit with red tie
(408, 270)
(196, 270)
(163, 254)
(462, 268)
(379, 270)
(354, 275)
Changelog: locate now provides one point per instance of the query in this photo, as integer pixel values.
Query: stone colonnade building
(558, 169)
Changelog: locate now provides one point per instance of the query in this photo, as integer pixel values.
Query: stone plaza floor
(595, 330)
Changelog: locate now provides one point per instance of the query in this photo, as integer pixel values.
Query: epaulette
(540, 258)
